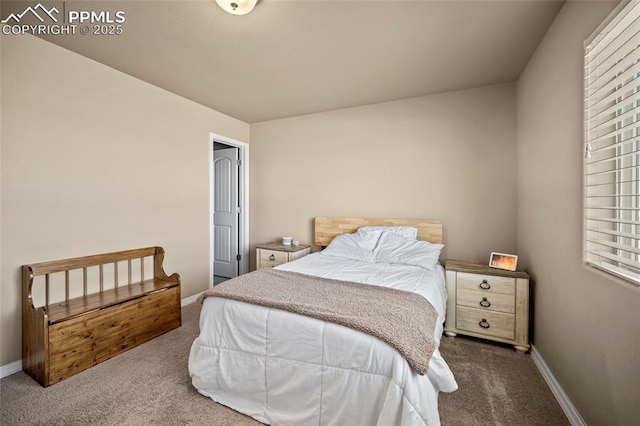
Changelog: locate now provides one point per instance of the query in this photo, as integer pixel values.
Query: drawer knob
(485, 285)
(484, 323)
(272, 257)
(485, 303)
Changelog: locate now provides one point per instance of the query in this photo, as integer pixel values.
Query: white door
(225, 212)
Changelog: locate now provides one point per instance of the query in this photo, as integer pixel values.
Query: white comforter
(285, 369)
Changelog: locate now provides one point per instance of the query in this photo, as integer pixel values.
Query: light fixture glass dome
(237, 7)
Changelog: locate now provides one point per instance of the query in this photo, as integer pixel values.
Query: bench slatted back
(67, 265)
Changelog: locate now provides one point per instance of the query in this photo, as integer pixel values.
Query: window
(612, 145)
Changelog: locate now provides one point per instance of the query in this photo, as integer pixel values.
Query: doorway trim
(243, 198)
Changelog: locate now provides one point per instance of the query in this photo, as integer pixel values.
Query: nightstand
(488, 303)
(273, 254)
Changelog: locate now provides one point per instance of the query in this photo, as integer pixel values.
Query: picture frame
(504, 261)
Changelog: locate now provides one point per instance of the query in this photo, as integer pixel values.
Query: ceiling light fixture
(237, 7)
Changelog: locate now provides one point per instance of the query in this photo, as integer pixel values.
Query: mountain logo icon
(34, 11)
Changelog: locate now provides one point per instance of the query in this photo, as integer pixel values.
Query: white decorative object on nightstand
(273, 254)
(487, 303)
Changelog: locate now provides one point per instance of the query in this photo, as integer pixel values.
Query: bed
(280, 367)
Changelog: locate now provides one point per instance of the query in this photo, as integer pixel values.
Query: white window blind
(612, 146)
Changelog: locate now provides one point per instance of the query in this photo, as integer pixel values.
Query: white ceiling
(289, 58)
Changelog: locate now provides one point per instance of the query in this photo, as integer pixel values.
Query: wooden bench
(90, 318)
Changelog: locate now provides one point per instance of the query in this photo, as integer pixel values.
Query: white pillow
(392, 248)
(357, 246)
(404, 231)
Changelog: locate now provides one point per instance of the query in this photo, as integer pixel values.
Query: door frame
(243, 198)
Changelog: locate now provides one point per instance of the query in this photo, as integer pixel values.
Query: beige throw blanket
(403, 319)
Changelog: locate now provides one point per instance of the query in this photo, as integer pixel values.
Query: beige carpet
(150, 385)
(496, 386)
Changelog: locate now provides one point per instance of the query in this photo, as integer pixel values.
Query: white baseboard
(11, 368)
(563, 399)
(190, 300)
(14, 367)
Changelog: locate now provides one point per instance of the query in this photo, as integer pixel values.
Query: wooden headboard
(326, 228)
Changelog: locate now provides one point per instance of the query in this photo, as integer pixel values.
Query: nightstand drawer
(486, 283)
(486, 301)
(271, 258)
(269, 255)
(486, 322)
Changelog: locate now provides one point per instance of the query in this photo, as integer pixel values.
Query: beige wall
(586, 325)
(93, 161)
(449, 157)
